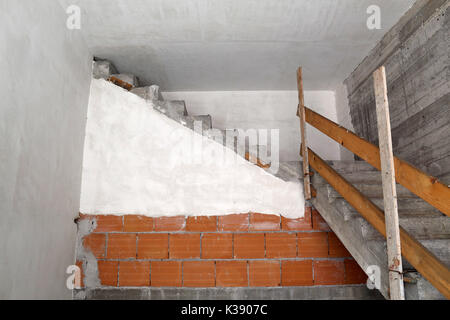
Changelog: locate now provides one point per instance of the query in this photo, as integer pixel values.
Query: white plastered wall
(44, 90)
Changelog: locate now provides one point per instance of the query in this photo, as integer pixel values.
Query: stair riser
(176, 110)
(419, 228)
(148, 93)
(406, 208)
(371, 177)
(373, 191)
(351, 166)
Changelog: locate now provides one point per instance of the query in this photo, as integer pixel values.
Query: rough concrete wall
(415, 54)
(265, 110)
(44, 92)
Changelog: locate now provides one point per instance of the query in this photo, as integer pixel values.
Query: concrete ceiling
(201, 45)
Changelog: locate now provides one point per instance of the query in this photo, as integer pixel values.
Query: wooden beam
(120, 83)
(303, 146)
(422, 259)
(415, 180)
(397, 291)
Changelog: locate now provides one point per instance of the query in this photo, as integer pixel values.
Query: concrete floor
(350, 292)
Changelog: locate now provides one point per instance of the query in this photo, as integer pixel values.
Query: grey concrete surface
(415, 54)
(148, 93)
(349, 292)
(44, 89)
(198, 45)
(103, 69)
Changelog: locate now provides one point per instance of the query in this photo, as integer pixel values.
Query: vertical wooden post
(389, 186)
(304, 146)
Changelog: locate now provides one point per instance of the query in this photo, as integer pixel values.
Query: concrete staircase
(368, 246)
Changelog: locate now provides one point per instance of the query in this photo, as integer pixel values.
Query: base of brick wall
(241, 250)
(347, 292)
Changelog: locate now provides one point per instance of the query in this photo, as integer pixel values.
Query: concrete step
(374, 191)
(440, 248)
(418, 227)
(290, 171)
(351, 166)
(175, 109)
(420, 288)
(189, 121)
(148, 93)
(363, 177)
(103, 69)
(230, 136)
(220, 136)
(406, 208)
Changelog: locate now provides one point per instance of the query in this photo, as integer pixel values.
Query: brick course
(238, 250)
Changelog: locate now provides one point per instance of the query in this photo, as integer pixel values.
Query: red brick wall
(225, 251)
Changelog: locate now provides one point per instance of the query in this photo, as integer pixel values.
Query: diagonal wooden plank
(303, 146)
(418, 182)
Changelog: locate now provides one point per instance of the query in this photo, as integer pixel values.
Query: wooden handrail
(418, 182)
(422, 259)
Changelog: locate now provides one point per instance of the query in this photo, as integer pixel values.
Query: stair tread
(148, 92)
(419, 227)
(374, 191)
(439, 247)
(406, 208)
(351, 166)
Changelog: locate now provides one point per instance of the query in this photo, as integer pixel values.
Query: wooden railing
(418, 182)
(422, 259)
(426, 187)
